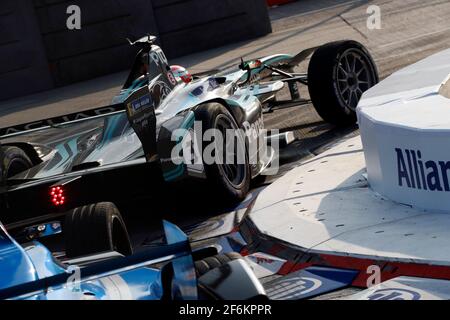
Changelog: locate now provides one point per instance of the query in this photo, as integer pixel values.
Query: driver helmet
(181, 73)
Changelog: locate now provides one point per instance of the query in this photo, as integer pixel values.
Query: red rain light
(57, 196)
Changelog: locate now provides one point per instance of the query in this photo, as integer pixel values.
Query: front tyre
(338, 75)
(228, 180)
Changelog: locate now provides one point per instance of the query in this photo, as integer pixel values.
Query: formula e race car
(168, 271)
(127, 150)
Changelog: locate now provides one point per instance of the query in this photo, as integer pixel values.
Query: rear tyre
(229, 181)
(95, 229)
(338, 75)
(15, 161)
(204, 266)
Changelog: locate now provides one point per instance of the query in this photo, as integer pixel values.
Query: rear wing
(30, 127)
(177, 251)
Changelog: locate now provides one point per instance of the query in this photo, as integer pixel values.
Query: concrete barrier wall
(100, 47)
(37, 29)
(23, 62)
(195, 25)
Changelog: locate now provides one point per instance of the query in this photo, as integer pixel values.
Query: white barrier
(405, 129)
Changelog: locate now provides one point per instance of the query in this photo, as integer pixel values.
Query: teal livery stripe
(179, 170)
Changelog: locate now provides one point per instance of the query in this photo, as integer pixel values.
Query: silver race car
(123, 151)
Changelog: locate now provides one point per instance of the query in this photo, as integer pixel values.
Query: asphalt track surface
(410, 30)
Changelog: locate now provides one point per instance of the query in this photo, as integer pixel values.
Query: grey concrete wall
(37, 29)
(23, 62)
(100, 47)
(194, 25)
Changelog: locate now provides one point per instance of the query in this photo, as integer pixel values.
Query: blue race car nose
(15, 266)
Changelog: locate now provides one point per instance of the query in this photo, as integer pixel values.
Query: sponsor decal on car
(197, 92)
(140, 103)
(213, 84)
(171, 78)
(254, 129)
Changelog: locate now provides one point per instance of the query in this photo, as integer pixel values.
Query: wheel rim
(354, 77)
(234, 172)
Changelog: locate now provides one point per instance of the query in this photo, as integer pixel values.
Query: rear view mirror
(147, 40)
